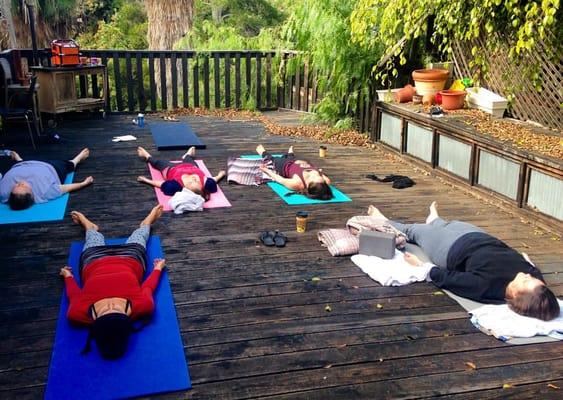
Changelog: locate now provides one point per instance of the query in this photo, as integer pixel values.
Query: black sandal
(267, 238)
(280, 239)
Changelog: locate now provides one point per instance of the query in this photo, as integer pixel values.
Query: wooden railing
(214, 79)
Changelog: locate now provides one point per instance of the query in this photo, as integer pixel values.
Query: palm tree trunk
(169, 21)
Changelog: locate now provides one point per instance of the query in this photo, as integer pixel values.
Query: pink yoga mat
(216, 200)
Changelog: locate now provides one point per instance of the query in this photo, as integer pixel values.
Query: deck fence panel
(217, 80)
(498, 174)
(391, 130)
(174, 77)
(130, 82)
(455, 156)
(185, 81)
(546, 194)
(419, 141)
(163, 88)
(152, 81)
(206, 101)
(227, 81)
(237, 81)
(117, 80)
(140, 83)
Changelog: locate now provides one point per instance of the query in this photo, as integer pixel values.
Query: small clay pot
(428, 99)
(452, 99)
(417, 99)
(405, 94)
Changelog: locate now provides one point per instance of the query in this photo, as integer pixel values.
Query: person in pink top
(298, 175)
(185, 174)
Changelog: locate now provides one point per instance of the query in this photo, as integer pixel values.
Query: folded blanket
(361, 223)
(186, 200)
(247, 171)
(339, 242)
(503, 323)
(393, 272)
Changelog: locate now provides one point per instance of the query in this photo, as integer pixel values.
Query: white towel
(393, 272)
(124, 138)
(503, 323)
(186, 200)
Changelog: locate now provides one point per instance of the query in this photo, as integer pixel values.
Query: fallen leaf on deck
(315, 279)
(327, 366)
(328, 308)
(552, 386)
(341, 346)
(507, 386)
(380, 306)
(470, 365)
(438, 293)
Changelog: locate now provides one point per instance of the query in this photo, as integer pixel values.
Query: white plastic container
(386, 95)
(486, 100)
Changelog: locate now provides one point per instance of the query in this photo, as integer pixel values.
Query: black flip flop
(267, 238)
(280, 239)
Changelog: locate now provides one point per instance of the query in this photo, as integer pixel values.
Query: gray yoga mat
(470, 305)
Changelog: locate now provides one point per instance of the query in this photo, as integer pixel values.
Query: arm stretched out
(71, 187)
(293, 183)
(148, 181)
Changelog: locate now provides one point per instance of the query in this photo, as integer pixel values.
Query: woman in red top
(113, 293)
(185, 174)
(298, 175)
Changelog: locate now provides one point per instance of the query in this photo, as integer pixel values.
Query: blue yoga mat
(299, 199)
(154, 362)
(53, 210)
(174, 135)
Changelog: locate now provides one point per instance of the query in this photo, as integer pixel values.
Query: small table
(60, 92)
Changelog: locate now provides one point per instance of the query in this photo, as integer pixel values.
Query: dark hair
(539, 303)
(20, 201)
(319, 191)
(111, 333)
(202, 192)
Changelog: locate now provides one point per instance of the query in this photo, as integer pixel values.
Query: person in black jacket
(473, 264)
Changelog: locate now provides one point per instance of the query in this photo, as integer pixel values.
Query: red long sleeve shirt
(111, 276)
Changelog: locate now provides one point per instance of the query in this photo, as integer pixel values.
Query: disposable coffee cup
(322, 151)
(141, 120)
(301, 221)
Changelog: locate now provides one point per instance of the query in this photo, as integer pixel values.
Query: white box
(386, 95)
(486, 100)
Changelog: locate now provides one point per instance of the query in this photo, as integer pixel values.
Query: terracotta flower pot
(452, 99)
(429, 81)
(405, 94)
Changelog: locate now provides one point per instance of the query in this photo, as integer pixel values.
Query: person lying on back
(34, 181)
(185, 174)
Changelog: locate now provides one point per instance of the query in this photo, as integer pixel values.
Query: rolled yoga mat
(174, 135)
(53, 210)
(154, 361)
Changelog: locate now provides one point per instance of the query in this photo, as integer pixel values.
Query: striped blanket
(345, 242)
(247, 172)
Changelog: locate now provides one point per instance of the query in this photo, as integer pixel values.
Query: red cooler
(64, 52)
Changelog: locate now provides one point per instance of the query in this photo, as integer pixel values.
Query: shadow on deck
(254, 323)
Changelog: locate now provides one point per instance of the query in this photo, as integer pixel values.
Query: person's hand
(141, 179)
(66, 272)
(412, 259)
(88, 181)
(159, 264)
(265, 169)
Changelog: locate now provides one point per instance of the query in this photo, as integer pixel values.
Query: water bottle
(141, 120)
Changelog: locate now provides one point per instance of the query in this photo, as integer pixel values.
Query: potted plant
(429, 81)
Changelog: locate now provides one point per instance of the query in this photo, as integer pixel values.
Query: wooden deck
(254, 323)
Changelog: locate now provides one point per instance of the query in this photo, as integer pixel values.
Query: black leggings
(61, 167)
(279, 162)
(162, 165)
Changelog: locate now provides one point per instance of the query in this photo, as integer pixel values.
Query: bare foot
(433, 213)
(374, 212)
(80, 219)
(83, 155)
(141, 152)
(290, 150)
(190, 152)
(155, 214)
(15, 156)
(260, 149)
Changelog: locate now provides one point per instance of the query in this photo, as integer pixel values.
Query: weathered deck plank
(253, 322)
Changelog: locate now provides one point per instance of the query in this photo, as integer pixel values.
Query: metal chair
(24, 109)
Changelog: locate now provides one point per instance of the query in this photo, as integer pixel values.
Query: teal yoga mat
(299, 199)
(53, 210)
